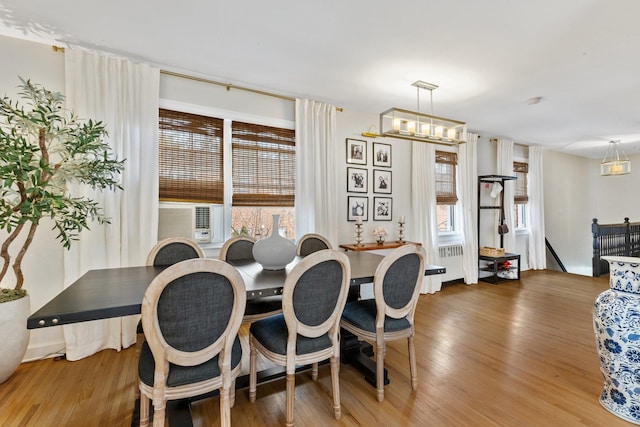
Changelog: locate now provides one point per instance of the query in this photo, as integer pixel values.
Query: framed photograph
(356, 151)
(382, 208)
(357, 180)
(381, 181)
(381, 154)
(358, 207)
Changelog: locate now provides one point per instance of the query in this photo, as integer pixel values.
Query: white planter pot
(13, 324)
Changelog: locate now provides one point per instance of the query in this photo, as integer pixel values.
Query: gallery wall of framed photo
(361, 180)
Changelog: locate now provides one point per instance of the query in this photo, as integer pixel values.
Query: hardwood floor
(518, 353)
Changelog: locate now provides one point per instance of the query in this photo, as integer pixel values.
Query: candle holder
(401, 230)
(359, 234)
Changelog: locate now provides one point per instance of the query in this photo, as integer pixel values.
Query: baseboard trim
(45, 351)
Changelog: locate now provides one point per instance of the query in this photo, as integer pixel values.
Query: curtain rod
(514, 143)
(229, 86)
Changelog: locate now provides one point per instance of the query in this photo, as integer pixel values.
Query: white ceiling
(488, 57)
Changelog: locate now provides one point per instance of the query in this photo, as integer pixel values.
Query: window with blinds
(190, 157)
(446, 178)
(263, 165)
(521, 170)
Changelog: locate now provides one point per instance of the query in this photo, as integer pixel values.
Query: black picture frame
(382, 208)
(382, 181)
(357, 180)
(381, 154)
(356, 151)
(357, 206)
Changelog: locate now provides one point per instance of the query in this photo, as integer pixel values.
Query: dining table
(115, 292)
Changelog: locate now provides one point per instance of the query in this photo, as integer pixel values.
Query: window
(263, 169)
(190, 157)
(446, 195)
(191, 169)
(521, 195)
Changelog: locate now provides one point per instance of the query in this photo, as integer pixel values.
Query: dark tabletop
(116, 292)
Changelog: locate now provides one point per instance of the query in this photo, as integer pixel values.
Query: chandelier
(417, 126)
(615, 162)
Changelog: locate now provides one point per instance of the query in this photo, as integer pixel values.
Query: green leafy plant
(43, 149)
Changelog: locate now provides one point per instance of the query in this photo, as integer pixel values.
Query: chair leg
(159, 413)
(253, 371)
(225, 411)
(314, 371)
(413, 365)
(232, 394)
(380, 371)
(291, 385)
(144, 409)
(335, 368)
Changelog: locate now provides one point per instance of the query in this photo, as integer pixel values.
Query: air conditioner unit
(185, 220)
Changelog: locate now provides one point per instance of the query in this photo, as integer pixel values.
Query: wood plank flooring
(520, 353)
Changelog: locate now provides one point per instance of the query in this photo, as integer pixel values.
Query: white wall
(42, 264)
(351, 124)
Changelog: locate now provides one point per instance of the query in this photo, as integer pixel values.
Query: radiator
(451, 259)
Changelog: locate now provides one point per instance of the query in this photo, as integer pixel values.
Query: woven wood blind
(446, 178)
(190, 157)
(263, 164)
(521, 196)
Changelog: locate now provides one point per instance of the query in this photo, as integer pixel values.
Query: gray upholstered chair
(389, 316)
(191, 313)
(173, 249)
(307, 331)
(310, 243)
(170, 251)
(238, 250)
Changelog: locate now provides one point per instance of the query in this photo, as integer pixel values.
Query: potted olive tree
(43, 148)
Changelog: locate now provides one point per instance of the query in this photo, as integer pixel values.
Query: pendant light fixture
(615, 162)
(417, 126)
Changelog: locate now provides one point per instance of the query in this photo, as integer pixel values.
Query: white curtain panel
(537, 247)
(316, 169)
(424, 221)
(505, 167)
(124, 96)
(468, 206)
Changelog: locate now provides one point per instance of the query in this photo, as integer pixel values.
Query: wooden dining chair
(172, 250)
(307, 331)
(191, 314)
(237, 250)
(389, 316)
(310, 243)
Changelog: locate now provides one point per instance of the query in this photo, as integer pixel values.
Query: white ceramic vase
(274, 252)
(15, 335)
(616, 323)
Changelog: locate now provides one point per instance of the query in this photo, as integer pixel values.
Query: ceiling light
(615, 162)
(417, 126)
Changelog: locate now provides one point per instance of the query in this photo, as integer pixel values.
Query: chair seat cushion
(272, 333)
(182, 375)
(362, 314)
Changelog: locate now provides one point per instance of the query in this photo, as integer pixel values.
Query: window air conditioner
(185, 220)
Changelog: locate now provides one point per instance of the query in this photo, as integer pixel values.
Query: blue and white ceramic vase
(274, 252)
(616, 323)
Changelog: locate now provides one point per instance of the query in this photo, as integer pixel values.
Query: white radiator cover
(451, 259)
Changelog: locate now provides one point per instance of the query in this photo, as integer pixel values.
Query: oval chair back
(172, 250)
(310, 243)
(191, 313)
(239, 248)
